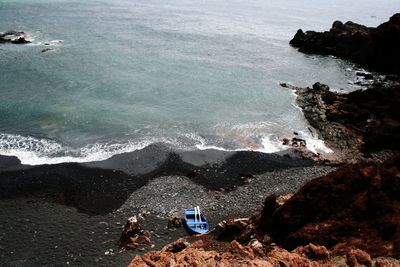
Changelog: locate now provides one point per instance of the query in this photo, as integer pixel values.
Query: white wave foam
(264, 142)
(317, 146)
(271, 144)
(33, 151)
(253, 125)
(201, 144)
(314, 144)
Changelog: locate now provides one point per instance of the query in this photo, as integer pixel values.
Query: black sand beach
(72, 213)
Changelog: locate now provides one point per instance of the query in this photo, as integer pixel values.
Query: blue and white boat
(195, 221)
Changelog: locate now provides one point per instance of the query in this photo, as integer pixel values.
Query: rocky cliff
(376, 48)
(356, 124)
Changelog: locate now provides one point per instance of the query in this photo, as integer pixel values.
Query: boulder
(133, 235)
(313, 252)
(357, 257)
(175, 222)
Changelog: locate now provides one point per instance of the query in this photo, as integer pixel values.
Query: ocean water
(192, 74)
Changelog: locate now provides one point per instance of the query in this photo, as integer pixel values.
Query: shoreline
(123, 174)
(34, 151)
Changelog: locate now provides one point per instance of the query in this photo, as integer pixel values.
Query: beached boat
(195, 221)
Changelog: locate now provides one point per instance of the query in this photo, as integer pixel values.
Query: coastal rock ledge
(358, 124)
(376, 48)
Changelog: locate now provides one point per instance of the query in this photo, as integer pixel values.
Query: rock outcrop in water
(350, 217)
(365, 121)
(376, 48)
(13, 37)
(361, 121)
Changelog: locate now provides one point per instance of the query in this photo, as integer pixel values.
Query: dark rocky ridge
(357, 123)
(376, 48)
(365, 121)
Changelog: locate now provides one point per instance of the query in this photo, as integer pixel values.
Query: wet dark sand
(71, 214)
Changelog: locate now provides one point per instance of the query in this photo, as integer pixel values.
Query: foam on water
(36, 151)
(271, 144)
(314, 144)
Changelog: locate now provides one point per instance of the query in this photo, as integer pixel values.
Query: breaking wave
(37, 151)
(34, 151)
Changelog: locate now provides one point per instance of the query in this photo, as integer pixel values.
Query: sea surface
(190, 74)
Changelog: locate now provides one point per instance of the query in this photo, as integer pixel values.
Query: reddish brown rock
(133, 235)
(235, 256)
(358, 258)
(237, 229)
(353, 207)
(281, 257)
(386, 262)
(177, 246)
(313, 252)
(152, 259)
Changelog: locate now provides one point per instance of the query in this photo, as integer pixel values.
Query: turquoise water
(191, 74)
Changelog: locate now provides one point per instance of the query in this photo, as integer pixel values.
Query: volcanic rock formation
(350, 217)
(376, 48)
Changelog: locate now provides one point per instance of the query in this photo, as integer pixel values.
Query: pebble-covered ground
(169, 195)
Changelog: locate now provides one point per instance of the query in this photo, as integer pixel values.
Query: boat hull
(195, 225)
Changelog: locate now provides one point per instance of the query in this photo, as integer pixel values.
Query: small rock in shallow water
(320, 86)
(13, 37)
(47, 50)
